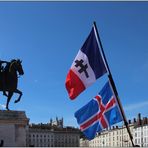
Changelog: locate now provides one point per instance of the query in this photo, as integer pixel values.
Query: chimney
(139, 119)
(129, 121)
(134, 120)
(139, 116)
(145, 120)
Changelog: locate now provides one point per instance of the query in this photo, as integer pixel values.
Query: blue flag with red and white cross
(101, 112)
(87, 66)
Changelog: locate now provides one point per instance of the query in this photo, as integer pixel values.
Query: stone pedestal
(13, 128)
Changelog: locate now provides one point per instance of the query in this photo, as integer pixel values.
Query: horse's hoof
(7, 108)
(16, 101)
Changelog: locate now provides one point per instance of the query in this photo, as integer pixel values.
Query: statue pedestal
(13, 128)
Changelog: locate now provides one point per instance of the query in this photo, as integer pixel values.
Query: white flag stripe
(87, 81)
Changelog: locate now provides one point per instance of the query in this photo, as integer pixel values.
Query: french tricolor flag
(87, 66)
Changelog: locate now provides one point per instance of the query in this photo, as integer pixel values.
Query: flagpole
(114, 87)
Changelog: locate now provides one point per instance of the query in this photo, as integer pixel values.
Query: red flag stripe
(73, 85)
(91, 121)
(110, 103)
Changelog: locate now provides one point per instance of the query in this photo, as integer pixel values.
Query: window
(135, 134)
(145, 140)
(135, 141)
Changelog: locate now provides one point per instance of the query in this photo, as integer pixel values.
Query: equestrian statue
(9, 75)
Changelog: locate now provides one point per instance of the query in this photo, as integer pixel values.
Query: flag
(87, 66)
(101, 112)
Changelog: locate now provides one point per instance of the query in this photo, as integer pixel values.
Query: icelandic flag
(87, 66)
(101, 112)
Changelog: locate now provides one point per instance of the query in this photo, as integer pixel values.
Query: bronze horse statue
(9, 80)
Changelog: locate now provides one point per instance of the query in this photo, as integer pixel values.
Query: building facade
(52, 135)
(84, 142)
(140, 132)
(118, 136)
(115, 137)
(141, 136)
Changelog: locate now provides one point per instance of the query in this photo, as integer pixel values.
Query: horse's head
(17, 66)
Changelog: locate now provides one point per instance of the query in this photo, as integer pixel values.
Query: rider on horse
(9, 72)
(2, 71)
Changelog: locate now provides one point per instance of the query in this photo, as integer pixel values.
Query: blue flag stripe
(91, 49)
(91, 131)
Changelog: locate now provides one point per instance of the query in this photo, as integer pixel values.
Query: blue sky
(46, 36)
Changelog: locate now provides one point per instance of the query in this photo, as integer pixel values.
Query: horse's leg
(10, 93)
(4, 93)
(20, 93)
